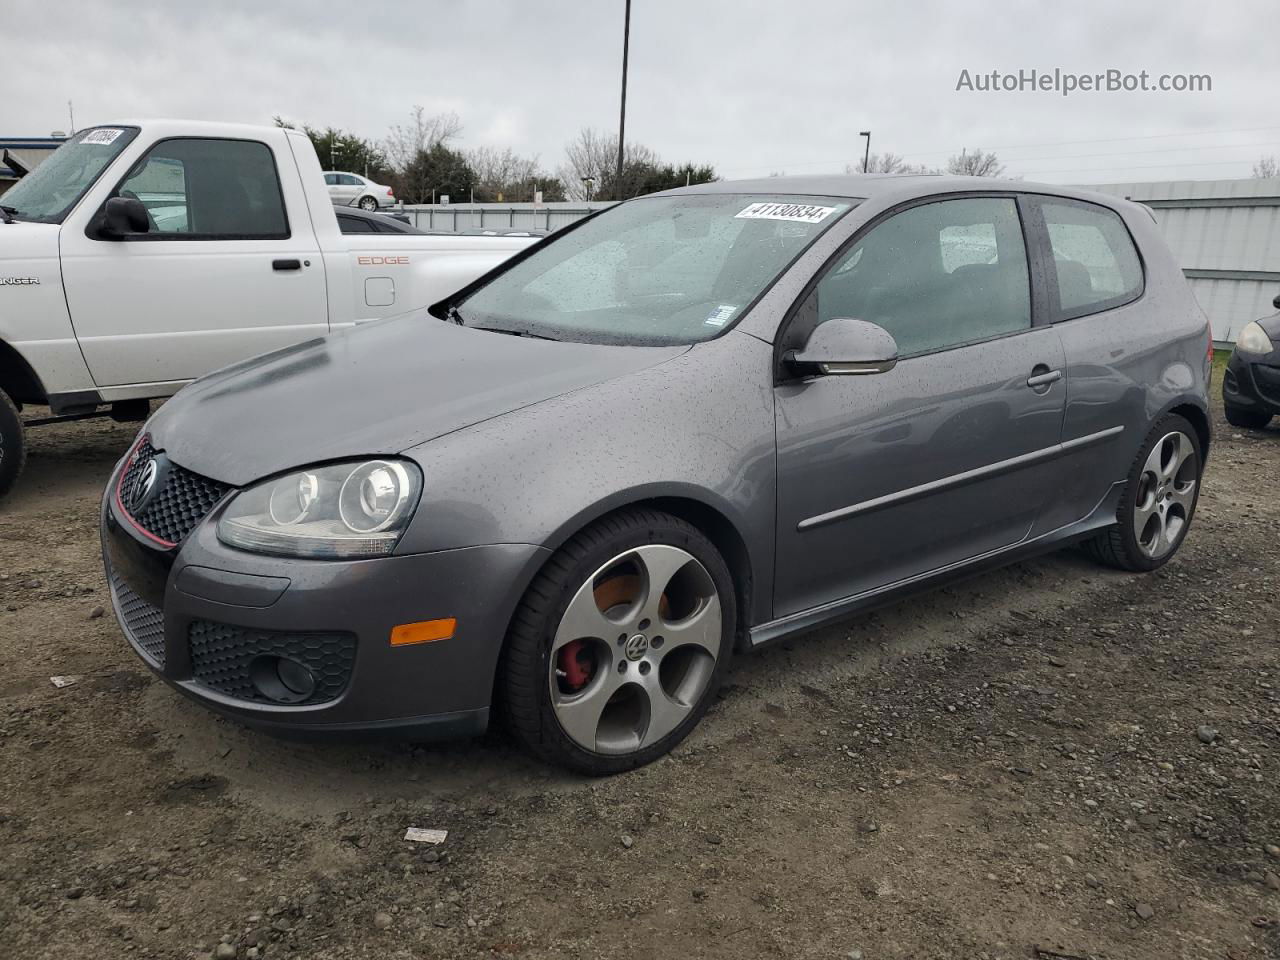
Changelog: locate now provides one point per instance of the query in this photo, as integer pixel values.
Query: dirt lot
(1009, 768)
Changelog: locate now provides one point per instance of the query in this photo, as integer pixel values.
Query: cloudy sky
(752, 87)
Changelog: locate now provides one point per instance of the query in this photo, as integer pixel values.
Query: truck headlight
(340, 510)
(1253, 339)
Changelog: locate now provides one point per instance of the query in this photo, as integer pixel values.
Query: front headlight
(1253, 339)
(341, 510)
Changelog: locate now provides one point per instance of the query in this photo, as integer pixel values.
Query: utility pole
(866, 155)
(622, 119)
(71, 112)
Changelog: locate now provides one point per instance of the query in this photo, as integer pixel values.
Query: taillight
(390, 192)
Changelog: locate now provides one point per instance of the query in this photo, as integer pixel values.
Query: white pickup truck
(142, 255)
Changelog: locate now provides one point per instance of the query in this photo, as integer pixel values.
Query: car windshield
(654, 271)
(48, 192)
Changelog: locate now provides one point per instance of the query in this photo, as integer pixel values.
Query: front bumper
(1252, 382)
(201, 615)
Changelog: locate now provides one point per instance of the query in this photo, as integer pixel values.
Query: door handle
(1042, 376)
(286, 264)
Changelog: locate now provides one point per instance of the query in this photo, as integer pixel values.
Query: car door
(334, 188)
(351, 187)
(886, 477)
(223, 272)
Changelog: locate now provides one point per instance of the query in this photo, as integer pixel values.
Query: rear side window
(205, 189)
(1094, 258)
(355, 225)
(938, 275)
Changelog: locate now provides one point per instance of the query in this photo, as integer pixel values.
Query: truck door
(229, 266)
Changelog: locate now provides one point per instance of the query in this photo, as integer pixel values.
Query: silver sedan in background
(353, 190)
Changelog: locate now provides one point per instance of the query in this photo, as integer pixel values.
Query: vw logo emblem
(145, 483)
(636, 647)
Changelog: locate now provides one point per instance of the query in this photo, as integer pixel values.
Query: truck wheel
(13, 449)
(368, 203)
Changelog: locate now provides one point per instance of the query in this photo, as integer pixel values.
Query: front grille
(1267, 380)
(184, 499)
(221, 655)
(143, 621)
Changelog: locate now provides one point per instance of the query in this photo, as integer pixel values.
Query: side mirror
(1276, 302)
(846, 347)
(120, 217)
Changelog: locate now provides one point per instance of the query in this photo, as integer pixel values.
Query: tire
(1131, 544)
(1248, 419)
(13, 447)
(368, 203)
(605, 704)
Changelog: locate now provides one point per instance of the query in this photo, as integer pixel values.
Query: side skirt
(1103, 515)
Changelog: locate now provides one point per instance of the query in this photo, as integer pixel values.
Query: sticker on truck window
(101, 136)
(799, 212)
(721, 315)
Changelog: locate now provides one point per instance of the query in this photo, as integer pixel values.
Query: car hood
(377, 389)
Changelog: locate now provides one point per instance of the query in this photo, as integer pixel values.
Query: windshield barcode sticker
(801, 212)
(721, 315)
(103, 136)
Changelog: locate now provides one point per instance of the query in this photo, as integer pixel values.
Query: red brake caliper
(576, 664)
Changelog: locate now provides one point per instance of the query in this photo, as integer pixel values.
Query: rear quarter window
(1095, 262)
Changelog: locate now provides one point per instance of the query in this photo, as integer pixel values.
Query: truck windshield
(48, 192)
(654, 271)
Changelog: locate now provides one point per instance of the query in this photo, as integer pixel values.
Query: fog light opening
(281, 679)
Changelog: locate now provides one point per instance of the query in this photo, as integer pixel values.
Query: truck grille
(184, 499)
(221, 655)
(143, 623)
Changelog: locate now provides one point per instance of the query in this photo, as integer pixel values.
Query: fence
(500, 216)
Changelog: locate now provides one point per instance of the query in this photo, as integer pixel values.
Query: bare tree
(594, 155)
(885, 163)
(423, 132)
(504, 175)
(975, 163)
(1266, 167)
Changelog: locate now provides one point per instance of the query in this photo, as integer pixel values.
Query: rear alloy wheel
(1248, 419)
(13, 448)
(1159, 500)
(620, 644)
(368, 203)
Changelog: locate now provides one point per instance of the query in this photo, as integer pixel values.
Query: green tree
(342, 150)
(435, 172)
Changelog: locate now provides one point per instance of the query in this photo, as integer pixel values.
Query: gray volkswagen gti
(682, 428)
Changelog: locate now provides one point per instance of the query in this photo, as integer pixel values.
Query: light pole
(866, 155)
(589, 183)
(622, 118)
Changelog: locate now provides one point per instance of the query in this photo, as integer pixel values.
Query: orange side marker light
(425, 631)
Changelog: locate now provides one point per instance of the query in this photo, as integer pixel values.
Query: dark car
(681, 428)
(1251, 386)
(355, 220)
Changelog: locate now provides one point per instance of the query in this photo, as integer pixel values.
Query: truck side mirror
(845, 347)
(1276, 302)
(120, 217)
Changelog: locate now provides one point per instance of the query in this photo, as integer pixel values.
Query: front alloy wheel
(625, 635)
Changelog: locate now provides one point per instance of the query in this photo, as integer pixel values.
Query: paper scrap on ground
(425, 835)
(63, 681)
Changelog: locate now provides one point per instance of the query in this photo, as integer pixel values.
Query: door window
(935, 276)
(331, 179)
(1093, 255)
(209, 190)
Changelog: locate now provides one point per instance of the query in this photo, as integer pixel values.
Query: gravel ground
(1052, 761)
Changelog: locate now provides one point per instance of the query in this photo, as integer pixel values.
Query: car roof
(895, 187)
(398, 226)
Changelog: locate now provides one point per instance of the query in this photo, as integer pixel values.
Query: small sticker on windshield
(800, 212)
(721, 315)
(102, 136)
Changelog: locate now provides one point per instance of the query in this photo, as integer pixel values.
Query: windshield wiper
(8, 213)
(518, 333)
